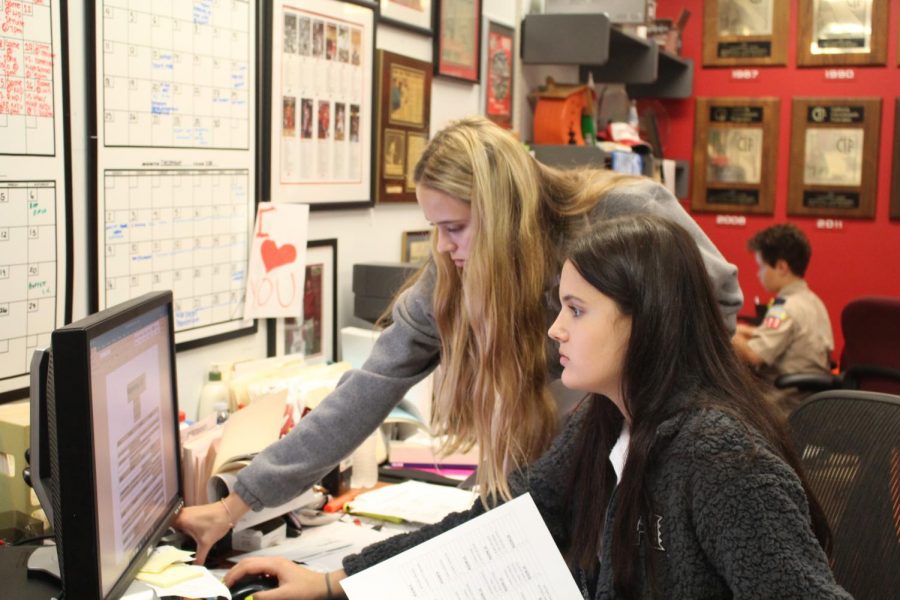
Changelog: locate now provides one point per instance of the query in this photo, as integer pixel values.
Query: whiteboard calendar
(176, 172)
(26, 77)
(35, 285)
(176, 73)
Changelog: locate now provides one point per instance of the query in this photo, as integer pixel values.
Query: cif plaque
(842, 32)
(745, 32)
(834, 157)
(734, 157)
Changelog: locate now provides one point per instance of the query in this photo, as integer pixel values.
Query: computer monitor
(105, 458)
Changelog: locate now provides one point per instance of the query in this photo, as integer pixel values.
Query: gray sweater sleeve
(649, 197)
(404, 354)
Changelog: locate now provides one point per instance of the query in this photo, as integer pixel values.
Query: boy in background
(795, 335)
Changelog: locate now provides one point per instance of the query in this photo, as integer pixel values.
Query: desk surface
(14, 579)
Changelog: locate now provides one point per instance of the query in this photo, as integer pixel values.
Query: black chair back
(871, 356)
(849, 444)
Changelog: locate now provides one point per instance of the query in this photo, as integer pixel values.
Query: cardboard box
(15, 494)
(619, 11)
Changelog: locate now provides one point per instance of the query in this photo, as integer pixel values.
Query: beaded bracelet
(227, 510)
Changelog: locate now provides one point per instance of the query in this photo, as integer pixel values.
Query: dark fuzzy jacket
(733, 518)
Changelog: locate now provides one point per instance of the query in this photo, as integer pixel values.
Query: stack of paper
(322, 548)
(412, 501)
(208, 450)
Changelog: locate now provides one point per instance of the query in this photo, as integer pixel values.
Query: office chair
(871, 356)
(849, 445)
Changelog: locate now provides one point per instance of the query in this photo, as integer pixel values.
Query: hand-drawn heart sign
(273, 256)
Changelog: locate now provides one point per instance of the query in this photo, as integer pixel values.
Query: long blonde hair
(491, 316)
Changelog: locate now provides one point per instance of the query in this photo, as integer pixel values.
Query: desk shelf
(589, 41)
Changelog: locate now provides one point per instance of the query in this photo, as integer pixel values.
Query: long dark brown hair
(652, 269)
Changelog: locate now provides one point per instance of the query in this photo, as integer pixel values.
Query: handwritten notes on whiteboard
(27, 272)
(26, 78)
(176, 74)
(277, 261)
(176, 156)
(33, 197)
(184, 230)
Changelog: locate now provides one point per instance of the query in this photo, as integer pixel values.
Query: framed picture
(895, 186)
(733, 172)
(499, 42)
(322, 102)
(457, 39)
(834, 157)
(416, 246)
(745, 32)
(314, 332)
(404, 115)
(412, 15)
(842, 32)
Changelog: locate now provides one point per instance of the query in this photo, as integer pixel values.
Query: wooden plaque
(834, 157)
(841, 32)
(734, 157)
(404, 114)
(745, 32)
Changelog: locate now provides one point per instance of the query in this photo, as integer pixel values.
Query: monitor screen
(107, 468)
(134, 444)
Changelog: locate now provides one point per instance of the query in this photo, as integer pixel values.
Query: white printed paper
(507, 553)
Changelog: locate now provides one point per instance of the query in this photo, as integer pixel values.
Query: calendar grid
(176, 76)
(26, 78)
(181, 229)
(28, 272)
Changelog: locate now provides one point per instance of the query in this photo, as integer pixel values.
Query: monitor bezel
(77, 523)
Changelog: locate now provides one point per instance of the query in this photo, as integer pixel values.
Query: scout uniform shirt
(795, 335)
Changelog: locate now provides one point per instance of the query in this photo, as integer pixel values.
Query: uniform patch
(775, 316)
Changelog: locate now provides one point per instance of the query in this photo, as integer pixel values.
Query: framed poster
(323, 61)
(895, 186)
(842, 32)
(313, 333)
(745, 32)
(498, 69)
(733, 172)
(415, 246)
(834, 157)
(412, 15)
(173, 107)
(404, 113)
(457, 39)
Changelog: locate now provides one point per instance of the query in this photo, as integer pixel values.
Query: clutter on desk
(411, 501)
(323, 548)
(262, 535)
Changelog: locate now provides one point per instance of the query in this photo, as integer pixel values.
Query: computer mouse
(247, 586)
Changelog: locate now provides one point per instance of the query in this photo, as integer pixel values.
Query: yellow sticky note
(172, 575)
(164, 556)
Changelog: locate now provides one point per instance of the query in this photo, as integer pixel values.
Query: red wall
(862, 258)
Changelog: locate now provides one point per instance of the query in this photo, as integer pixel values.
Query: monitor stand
(44, 562)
